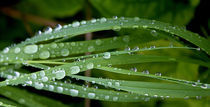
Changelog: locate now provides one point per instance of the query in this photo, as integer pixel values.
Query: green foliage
(139, 59)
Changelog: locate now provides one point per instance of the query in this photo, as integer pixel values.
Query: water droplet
(126, 39)
(30, 49)
(194, 84)
(103, 19)
(145, 72)
(74, 92)
(44, 79)
(83, 22)
(33, 76)
(109, 83)
(204, 86)
(44, 54)
(51, 87)
(115, 17)
(60, 74)
(116, 28)
(98, 42)
(54, 45)
(42, 73)
(93, 21)
(58, 27)
(117, 84)
(134, 69)
(115, 98)
(48, 30)
(38, 85)
(64, 52)
(75, 24)
(135, 26)
(60, 89)
(91, 49)
(144, 26)
(74, 69)
(107, 55)
(154, 33)
(136, 18)
(17, 50)
(106, 97)
(158, 74)
(198, 49)
(6, 50)
(91, 95)
(136, 48)
(90, 66)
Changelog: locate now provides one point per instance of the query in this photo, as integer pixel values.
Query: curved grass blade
(25, 98)
(149, 88)
(170, 79)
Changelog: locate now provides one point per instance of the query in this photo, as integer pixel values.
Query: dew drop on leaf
(74, 92)
(54, 45)
(91, 95)
(93, 20)
(91, 49)
(103, 19)
(60, 89)
(34, 76)
(31, 49)
(42, 73)
(64, 52)
(74, 69)
(90, 66)
(6, 50)
(75, 24)
(44, 79)
(115, 98)
(44, 54)
(38, 85)
(153, 33)
(106, 97)
(51, 87)
(58, 27)
(17, 50)
(83, 22)
(106, 55)
(60, 74)
(48, 30)
(98, 42)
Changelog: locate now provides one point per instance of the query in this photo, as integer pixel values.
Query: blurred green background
(21, 19)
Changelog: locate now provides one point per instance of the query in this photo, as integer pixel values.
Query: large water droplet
(74, 92)
(17, 50)
(93, 20)
(136, 18)
(64, 52)
(117, 84)
(60, 74)
(74, 69)
(115, 98)
(42, 73)
(44, 54)
(75, 24)
(134, 69)
(51, 87)
(60, 89)
(204, 86)
(116, 28)
(109, 83)
(91, 95)
(48, 30)
(90, 66)
(154, 33)
(38, 85)
(106, 97)
(103, 19)
(33, 76)
(6, 50)
(158, 74)
(44, 79)
(58, 27)
(145, 72)
(107, 55)
(54, 45)
(30, 49)
(83, 22)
